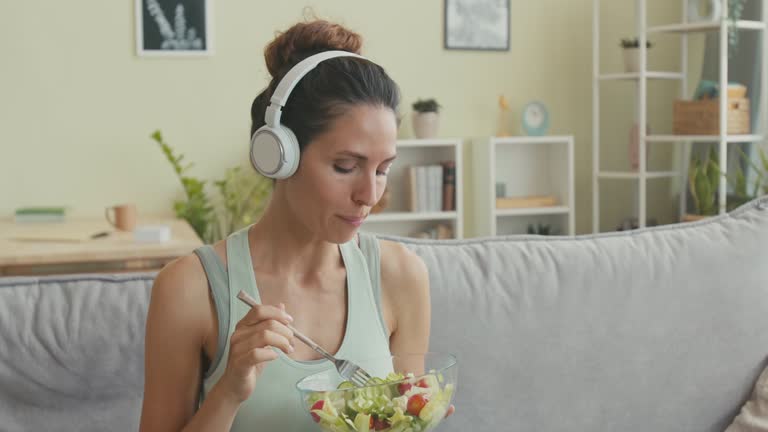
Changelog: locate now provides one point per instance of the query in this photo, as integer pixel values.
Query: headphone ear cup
(274, 152)
(266, 154)
(291, 152)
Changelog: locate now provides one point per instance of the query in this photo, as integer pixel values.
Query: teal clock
(535, 119)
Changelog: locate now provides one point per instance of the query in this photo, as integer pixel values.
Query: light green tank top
(275, 404)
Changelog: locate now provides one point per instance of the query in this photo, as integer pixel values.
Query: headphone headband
(275, 151)
(289, 81)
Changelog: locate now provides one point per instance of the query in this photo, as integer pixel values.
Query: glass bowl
(407, 392)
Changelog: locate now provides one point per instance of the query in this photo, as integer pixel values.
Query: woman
(303, 260)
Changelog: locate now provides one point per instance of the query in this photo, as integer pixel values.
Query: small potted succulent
(425, 118)
(632, 54)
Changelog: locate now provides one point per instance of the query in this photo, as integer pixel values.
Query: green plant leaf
(693, 174)
(704, 193)
(426, 105)
(713, 174)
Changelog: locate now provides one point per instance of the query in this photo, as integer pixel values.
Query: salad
(396, 403)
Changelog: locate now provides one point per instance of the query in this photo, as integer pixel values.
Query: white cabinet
(522, 182)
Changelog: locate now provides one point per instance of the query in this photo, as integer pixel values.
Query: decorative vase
(631, 60)
(425, 124)
(634, 146)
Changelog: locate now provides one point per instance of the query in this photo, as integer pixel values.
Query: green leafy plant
(703, 179)
(196, 208)
(735, 10)
(241, 197)
(634, 43)
(426, 105)
(744, 191)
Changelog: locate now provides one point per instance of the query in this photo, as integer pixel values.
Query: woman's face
(343, 172)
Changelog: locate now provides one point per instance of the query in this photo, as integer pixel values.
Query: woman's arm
(405, 290)
(178, 322)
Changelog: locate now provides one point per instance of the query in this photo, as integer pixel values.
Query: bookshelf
(538, 178)
(398, 218)
(642, 79)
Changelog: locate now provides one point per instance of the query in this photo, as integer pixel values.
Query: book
(40, 214)
(424, 187)
(435, 188)
(412, 189)
(422, 194)
(449, 186)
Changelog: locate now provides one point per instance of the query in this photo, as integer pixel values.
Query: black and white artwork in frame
(173, 28)
(477, 25)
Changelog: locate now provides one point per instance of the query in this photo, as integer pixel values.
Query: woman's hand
(451, 410)
(264, 326)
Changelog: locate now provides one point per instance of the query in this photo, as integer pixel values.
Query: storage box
(702, 117)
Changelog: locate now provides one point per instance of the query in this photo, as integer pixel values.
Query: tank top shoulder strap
(369, 246)
(218, 283)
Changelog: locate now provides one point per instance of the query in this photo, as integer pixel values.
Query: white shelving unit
(396, 219)
(642, 77)
(527, 166)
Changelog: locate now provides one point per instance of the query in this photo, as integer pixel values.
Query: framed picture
(173, 28)
(477, 25)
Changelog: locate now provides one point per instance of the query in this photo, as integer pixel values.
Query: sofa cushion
(71, 352)
(661, 329)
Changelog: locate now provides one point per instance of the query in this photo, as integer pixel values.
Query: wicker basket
(702, 117)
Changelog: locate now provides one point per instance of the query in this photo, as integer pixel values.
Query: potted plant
(703, 180)
(632, 53)
(242, 197)
(425, 118)
(744, 189)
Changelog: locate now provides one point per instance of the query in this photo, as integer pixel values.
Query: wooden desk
(59, 248)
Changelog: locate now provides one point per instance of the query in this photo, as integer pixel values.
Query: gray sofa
(662, 329)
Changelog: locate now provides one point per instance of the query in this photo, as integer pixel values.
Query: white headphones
(274, 148)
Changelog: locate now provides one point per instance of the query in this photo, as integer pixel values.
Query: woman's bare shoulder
(405, 289)
(187, 271)
(397, 256)
(401, 268)
(180, 294)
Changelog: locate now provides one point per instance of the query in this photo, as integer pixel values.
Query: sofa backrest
(72, 352)
(662, 329)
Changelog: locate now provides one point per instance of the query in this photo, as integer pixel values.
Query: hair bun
(305, 39)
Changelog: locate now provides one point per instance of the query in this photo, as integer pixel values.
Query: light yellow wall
(77, 105)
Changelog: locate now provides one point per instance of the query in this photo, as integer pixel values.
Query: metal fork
(348, 370)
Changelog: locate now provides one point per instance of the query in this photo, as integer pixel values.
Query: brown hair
(331, 88)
